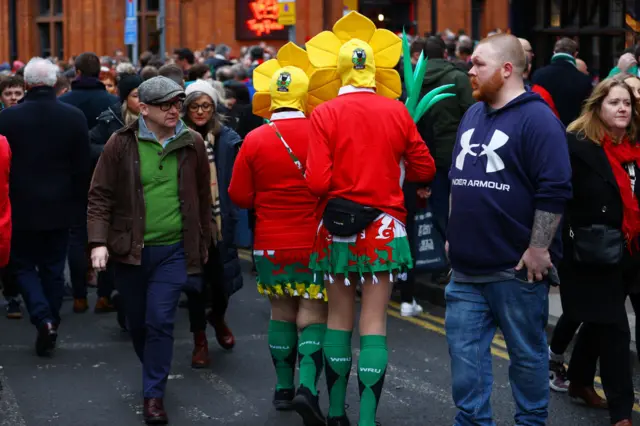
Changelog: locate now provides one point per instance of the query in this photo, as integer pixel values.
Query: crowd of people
(134, 175)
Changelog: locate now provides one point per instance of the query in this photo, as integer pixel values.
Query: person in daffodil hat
(269, 176)
(363, 143)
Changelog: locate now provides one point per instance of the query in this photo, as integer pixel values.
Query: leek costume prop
(267, 176)
(362, 145)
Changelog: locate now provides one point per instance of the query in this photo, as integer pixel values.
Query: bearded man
(511, 170)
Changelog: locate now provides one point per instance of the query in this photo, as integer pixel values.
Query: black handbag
(597, 244)
(344, 218)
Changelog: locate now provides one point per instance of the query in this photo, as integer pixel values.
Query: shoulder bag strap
(293, 157)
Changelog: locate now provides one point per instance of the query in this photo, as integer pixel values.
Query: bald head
(582, 66)
(505, 48)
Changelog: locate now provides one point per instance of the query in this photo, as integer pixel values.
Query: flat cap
(159, 89)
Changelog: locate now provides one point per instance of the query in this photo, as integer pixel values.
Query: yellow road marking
(436, 324)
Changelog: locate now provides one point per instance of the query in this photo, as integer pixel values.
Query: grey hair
(125, 68)
(40, 72)
(223, 49)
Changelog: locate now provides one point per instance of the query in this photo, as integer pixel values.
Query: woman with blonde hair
(601, 230)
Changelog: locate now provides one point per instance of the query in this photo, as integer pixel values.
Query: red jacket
(357, 144)
(266, 178)
(5, 204)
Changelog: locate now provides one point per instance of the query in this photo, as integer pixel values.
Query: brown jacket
(116, 214)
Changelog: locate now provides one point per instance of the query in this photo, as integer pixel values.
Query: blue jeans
(37, 262)
(474, 312)
(78, 260)
(150, 294)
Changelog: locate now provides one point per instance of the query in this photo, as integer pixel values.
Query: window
(148, 34)
(50, 28)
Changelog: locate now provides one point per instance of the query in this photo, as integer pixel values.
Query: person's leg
(78, 266)
(615, 369)
(337, 342)
(167, 280)
(562, 336)
(374, 356)
(311, 320)
(51, 269)
(635, 302)
(283, 345)
(11, 292)
(105, 290)
(25, 254)
(197, 307)
(470, 328)
(439, 202)
(521, 310)
(219, 299)
(132, 289)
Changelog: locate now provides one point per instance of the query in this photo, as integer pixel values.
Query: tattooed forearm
(544, 228)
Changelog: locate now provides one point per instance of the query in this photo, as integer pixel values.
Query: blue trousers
(150, 294)
(37, 262)
(474, 311)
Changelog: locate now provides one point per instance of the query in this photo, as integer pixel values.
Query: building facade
(63, 28)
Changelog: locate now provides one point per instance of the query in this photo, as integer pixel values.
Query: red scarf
(618, 155)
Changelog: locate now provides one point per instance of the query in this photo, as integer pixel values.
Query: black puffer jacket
(108, 122)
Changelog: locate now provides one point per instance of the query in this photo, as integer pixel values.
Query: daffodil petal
(292, 55)
(388, 83)
(324, 85)
(387, 48)
(323, 50)
(354, 25)
(263, 73)
(261, 104)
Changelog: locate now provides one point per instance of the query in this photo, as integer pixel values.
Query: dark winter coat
(49, 177)
(226, 149)
(568, 88)
(90, 96)
(108, 123)
(439, 126)
(593, 293)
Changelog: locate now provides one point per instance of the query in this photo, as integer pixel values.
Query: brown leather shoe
(624, 423)
(587, 395)
(154, 413)
(200, 356)
(224, 336)
(104, 305)
(80, 306)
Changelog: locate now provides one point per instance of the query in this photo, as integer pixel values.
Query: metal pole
(134, 54)
(161, 27)
(292, 33)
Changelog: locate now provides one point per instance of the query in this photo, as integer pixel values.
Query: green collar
(563, 57)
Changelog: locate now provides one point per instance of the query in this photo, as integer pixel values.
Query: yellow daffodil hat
(355, 53)
(282, 82)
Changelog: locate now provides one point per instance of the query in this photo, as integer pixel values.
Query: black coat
(592, 293)
(109, 121)
(49, 177)
(90, 96)
(568, 87)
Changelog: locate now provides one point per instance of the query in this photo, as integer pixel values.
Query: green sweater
(159, 175)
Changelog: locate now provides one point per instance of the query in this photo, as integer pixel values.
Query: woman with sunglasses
(222, 274)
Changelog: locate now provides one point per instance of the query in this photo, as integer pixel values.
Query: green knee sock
(372, 367)
(310, 353)
(283, 339)
(337, 360)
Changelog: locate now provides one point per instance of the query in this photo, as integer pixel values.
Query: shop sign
(258, 20)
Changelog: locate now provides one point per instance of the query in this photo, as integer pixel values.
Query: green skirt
(286, 273)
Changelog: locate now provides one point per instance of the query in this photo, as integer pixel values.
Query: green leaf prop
(413, 84)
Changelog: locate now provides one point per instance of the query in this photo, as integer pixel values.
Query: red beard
(487, 92)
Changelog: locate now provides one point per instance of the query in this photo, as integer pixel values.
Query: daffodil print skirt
(381, 248)
(286, 273)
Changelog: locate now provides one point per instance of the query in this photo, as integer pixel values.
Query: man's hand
(537, 261)
(424, 193)
(99, 258)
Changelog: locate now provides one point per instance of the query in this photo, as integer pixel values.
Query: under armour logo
(494, 162)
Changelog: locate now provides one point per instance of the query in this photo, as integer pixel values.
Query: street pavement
(94, 378)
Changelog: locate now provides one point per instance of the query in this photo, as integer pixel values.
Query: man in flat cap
(150, 214)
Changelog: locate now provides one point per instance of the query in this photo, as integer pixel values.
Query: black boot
(46, 340)
(306, 405)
